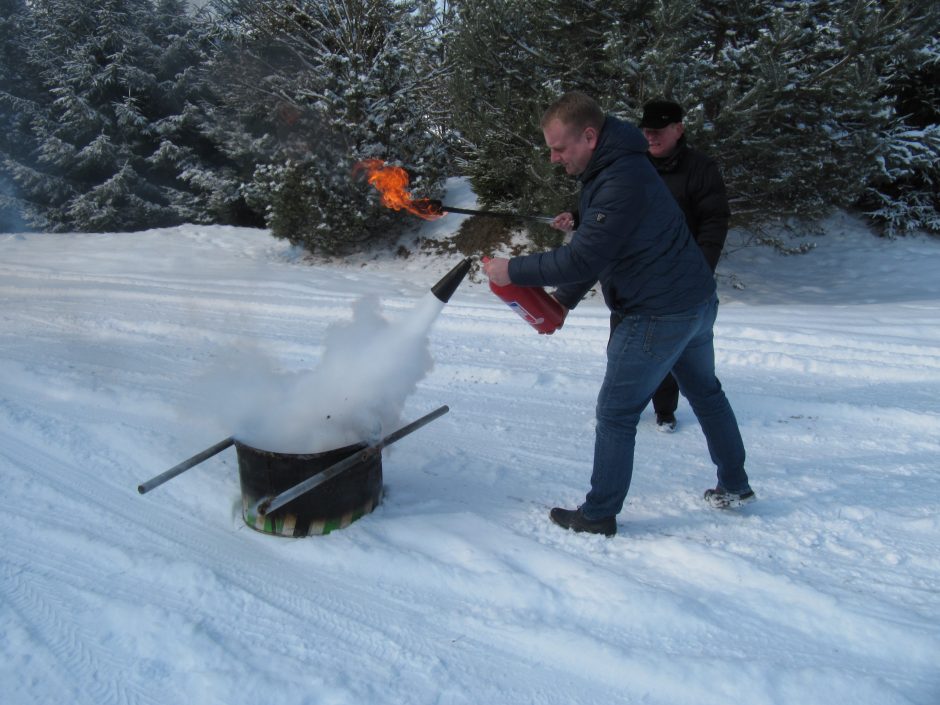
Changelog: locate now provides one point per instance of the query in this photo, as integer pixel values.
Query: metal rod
(497, 214)
(185, 465)
(271, 504)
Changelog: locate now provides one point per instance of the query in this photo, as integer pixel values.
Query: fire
(392, 182)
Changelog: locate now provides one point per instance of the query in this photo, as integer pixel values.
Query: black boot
(573, 519)
(665, 422)
(720, 498)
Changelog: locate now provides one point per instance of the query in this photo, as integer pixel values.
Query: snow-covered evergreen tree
(314, 88)
(116, 132)
(20, 99)
(494, 97)
(789, 99)
(117, 115)
(904, 193)
(511, 60)
(514, 58)
(191, 141)
(793, 97)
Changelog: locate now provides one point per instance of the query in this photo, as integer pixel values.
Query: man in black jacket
(632, 238)
(696, 184)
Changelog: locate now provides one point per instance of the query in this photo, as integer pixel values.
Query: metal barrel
(272, 504)
(145, 487)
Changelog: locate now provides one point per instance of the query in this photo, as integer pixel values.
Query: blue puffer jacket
(632, 237)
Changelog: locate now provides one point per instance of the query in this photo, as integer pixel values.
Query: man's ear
(590, 134)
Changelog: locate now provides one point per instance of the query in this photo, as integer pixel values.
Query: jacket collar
(617, 139)
(671, 163)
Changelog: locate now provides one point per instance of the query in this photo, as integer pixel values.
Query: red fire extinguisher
(536, 306)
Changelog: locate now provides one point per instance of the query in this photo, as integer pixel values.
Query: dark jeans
(641, 352)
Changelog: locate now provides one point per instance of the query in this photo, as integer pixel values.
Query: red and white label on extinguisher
(526, 316)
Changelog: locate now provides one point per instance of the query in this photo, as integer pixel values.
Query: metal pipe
(271, 504)
(145, 487)
(492, 214)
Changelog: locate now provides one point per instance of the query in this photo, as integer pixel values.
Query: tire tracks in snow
(274, 594)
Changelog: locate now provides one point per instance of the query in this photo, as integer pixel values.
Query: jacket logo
(601, 217)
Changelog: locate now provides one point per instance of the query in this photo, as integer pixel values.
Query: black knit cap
(659, 113)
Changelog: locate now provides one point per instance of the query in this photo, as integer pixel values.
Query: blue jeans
(642, 351)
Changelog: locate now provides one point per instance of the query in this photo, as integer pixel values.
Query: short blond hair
(575, 109)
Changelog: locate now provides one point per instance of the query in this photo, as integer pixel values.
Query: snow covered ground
(118, 357)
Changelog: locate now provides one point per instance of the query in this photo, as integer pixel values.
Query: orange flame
(391, 182)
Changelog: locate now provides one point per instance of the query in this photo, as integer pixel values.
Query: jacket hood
(617, 139)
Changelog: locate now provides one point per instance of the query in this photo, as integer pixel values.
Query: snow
(116, 354)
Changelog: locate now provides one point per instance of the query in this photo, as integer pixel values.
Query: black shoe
(666, 423)
(573, 519)
(722, 499)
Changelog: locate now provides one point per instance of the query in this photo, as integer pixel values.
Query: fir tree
(511, 59)
(494, 97)
(904, 193)
(21, 99)
(113, 138)
(191, 141)
(316, 87)
(792, 110)
(793, 97)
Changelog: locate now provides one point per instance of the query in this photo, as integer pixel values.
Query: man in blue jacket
(633, 239)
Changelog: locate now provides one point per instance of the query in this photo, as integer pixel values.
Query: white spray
(355, 394)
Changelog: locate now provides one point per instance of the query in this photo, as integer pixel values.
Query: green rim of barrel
(286, 524)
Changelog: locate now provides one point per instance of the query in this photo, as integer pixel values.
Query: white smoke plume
(355, 394)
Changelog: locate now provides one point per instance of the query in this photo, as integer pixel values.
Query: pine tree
(903, 195)
(793, 97)
(115, 133)
(317, 87)
(93, 175)
(512, 59)
(20, 100)
(795, 109)
(209, 184)
(493, 97)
